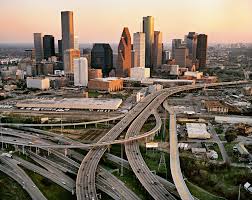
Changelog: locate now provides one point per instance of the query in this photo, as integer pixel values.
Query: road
(223, 151)
(11, 168)
(174, 158)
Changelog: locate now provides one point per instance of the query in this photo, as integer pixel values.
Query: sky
(224, 21)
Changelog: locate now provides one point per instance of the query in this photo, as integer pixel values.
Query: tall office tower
(60, 50)
(38, 46)
(176, 43)
(69, 56)
(157, 49)
(191, 44)
(124, 54)
(48, 44)
(181, 55)
(76, 43)
(67, 28)
(102, 58)
(80, 71)
(148, 29)
(202, 50)
(139, 48)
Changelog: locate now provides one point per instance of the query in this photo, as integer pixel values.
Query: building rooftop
(72, 103)
(197, 130)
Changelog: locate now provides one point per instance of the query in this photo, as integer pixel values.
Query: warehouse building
(72, 103)
(197, 131)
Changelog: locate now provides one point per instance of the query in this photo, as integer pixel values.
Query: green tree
(230, 135)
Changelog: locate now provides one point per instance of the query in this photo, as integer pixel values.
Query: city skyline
(222, 20)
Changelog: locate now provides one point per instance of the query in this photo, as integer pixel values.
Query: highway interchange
(89, 172)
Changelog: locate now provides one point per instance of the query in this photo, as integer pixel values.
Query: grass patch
(51, 190)
(201, 193)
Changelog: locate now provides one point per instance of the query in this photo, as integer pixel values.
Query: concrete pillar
(95, 125)
(85, 126)
(23, 150)
(65, 152)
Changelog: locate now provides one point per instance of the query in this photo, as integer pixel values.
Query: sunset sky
(224, 21)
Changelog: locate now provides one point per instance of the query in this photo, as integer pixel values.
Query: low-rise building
(110, 84)
(38, 83)
(72, 103)
(216, 107)
(139, 73)
(197, 131)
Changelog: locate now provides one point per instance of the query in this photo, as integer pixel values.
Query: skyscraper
(48, 44)
(124, 54)
(38, 46)
(191, 44)
(102, 58)
(60, 50)
(202, 50)
(67, 28)
(139, 48)
(69, 56)
(176, 43)
(181, 55)
(157, 49)
(80, 71)
(148, 29)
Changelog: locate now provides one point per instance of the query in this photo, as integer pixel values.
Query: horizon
(223, 21)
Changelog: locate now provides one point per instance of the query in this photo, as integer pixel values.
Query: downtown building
(201, 53)
(38, 46)
(48, 45)
(102, 58)
(139, 49)
(124, 54)
(80, 72)
(148, 29)
(67, 28)
(157, 49)
(176, 43)
(69, 56)
(191, 44)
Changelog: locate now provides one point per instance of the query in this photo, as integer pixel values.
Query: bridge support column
(85, 126)
(23, 150)
(95, 125)
(65, 152)
(36, 150)
(48, 152)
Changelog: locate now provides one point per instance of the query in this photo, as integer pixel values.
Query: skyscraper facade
(176, 43)
(102, 58)
(157, 49)
(148, 29)
(48, 45)
(60, 50)
(80, 71)
(202, 50)
(191, 44)
(139, 49)
(67, 28)
(69, 56)
(124, 54)
(181, 55)
(38, 46)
